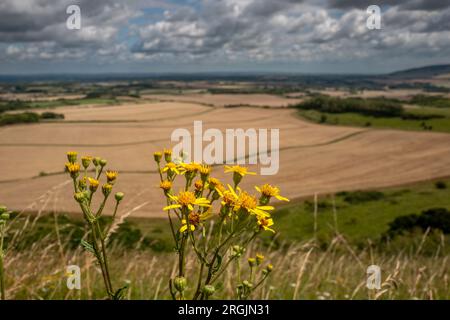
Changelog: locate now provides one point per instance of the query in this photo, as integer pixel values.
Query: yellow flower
(198, 185)
(72, 156)
(171, 167)
(187, 199)
(213, 183)
(189, 169)
(165, 185)
(265, 223)
(111, 176)
(269, 191)
(204, 171)
(238, 173)
(93, 184)
(195, 219)
(250, 204)
(73, 169)
(229, 197)
(242, 171)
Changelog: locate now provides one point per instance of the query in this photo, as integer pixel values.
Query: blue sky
(325, 36)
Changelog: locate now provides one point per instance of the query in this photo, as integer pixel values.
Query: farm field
(313, 158)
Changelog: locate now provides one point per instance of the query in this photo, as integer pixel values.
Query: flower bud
(82, 184)
(119, 196)
(236, 178)
(268, 269)
(106, 189)
(3, 209)
(93, 184)
(247, 284)
(238, 251)
(96, 161)
(72, 156)
(251, 262)
(157, 156)
(79, 197)
(102, 162)
(168, 155)
(4, 216)
(180, 283)
(86, 161)
(259, 259)
(208, 290)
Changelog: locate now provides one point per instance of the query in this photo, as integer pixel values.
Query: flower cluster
(239, 217)
(85, 187)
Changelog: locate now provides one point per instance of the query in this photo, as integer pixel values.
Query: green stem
(2, 271)
(199, 283)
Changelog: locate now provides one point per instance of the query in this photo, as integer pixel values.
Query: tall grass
(301, 271)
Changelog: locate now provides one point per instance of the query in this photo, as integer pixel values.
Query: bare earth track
(313, 158)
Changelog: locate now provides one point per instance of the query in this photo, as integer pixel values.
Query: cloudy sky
(321, 36)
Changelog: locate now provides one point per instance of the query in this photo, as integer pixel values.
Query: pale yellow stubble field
(313, 158)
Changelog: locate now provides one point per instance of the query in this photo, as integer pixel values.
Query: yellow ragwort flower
(172, 168)
(187, 199)
(250, 204)
(165, 185)
(204, 171)
(269, 191)
(213, 183)
(195, 219)
(198, 185)
(93, 184)
(73, 168)
(111, 176)
(242, 171)
(265, 223)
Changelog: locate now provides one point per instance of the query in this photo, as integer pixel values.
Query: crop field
(313, 158)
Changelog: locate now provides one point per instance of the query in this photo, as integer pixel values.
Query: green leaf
(119, 294)
(87, 246)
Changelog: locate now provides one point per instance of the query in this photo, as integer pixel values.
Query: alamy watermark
(236, 146)
(73, 22)
(374, 20)
(373, 277)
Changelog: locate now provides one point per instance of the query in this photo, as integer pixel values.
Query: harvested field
(221, 100)
(313, 158)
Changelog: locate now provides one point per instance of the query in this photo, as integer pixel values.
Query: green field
(358, 220)
(354, 119)
(358, 216)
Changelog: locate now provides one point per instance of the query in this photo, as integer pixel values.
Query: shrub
(13, 118)
(435, 218)
(370, 107)
(361, 196)
(440, 185)
(51, 115)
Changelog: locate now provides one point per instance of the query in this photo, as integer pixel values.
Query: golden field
(313, 158)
